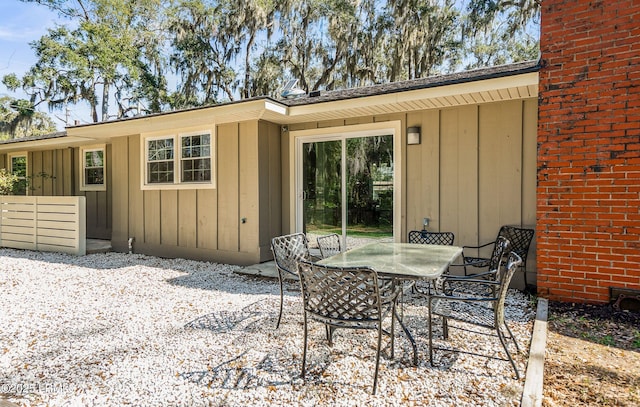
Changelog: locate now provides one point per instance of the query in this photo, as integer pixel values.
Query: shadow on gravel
(248, 319)
(242, 372)
(195, 274)
(113, 260)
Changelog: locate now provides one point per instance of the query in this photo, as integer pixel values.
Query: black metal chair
(329, 245)
(519, 242)
(491, 264)
(492, 268)
(287, 251)
(479, 310)
(425, 237)
(352, 298)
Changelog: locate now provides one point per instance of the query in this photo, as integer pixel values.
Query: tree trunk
(247, 66)
(105, 101)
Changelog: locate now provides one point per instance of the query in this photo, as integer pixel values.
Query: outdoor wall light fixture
(413, 135)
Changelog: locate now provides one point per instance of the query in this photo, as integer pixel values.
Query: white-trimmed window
(160, 161)
(195, 158)
(93, 159)
(18, 165)
(179, 161)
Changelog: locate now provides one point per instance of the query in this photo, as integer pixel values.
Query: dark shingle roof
(35, 138)
(415, 84)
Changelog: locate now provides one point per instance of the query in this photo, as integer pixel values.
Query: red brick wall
(588, 194)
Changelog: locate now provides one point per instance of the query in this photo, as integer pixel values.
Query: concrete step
(98, 246)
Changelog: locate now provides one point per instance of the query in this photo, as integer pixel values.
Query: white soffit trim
(45, 144)
(231, 113)
(514, 87)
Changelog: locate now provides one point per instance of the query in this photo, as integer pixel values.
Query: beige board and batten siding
(474, 170)
(51, 171)
(44, 223)
(270, 185)
(99, 203)
(230, 222)
(56, 172)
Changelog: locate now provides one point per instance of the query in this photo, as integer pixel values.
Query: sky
(20, 24)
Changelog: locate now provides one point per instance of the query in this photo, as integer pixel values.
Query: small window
(178, 161)
(19, 168)
(196, 158)
(160, 161)
(93, 168)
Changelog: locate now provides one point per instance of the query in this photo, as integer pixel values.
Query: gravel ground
(118, 329)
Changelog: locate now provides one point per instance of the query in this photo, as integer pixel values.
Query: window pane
(94, 158)
(152, 148)
(160, 161)
(196, 158)
(94, 176)
(160, 149)
(197, 170)
(19, 166)
(160, 172)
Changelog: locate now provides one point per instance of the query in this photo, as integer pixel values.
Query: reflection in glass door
(369, 184)
(347, 188)
(322, 188)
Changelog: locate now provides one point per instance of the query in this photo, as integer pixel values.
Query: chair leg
(375, 374)
(445, 328)
(504, 345)
(281, 298)
(410, 337)
(304, 346)
(329, 331)
(430, 338)
(401, 299)
(393, 324)
(512, 336)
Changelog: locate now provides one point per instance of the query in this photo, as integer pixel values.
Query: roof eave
(513, 87)
(45, 144)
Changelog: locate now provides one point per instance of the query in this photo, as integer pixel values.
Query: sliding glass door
(346, 187)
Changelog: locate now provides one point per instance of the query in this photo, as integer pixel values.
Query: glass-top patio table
(399, 260)
(402, 261)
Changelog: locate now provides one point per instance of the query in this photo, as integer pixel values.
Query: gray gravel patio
(116, 329)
